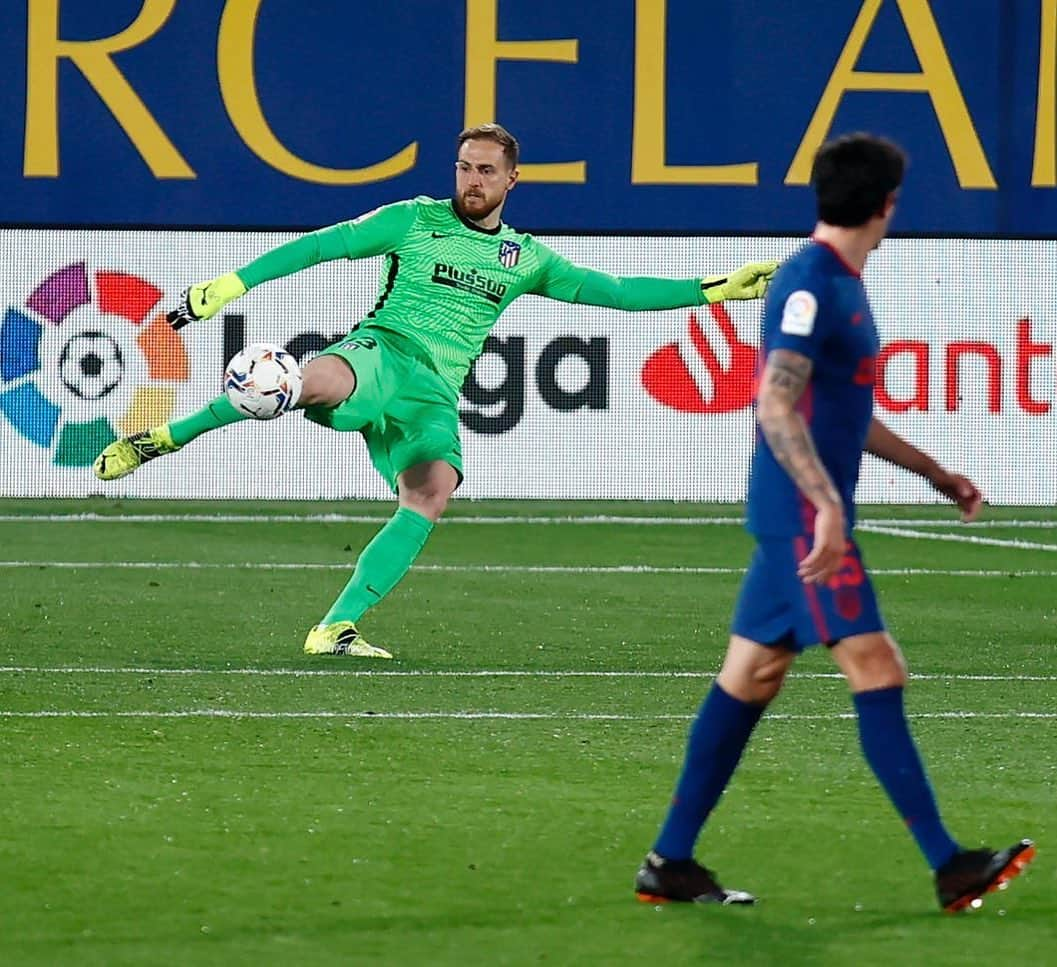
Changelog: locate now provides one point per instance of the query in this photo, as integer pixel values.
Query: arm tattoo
(787, 373)
(784, 379)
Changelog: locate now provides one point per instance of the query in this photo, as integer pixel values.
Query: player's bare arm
(888, 445)
(784, 379)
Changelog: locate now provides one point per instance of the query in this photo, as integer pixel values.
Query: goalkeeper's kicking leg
(418, 455)
(327, 382)
(424, 490)
(408, 417)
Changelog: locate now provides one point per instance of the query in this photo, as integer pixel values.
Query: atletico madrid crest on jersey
(509, 253)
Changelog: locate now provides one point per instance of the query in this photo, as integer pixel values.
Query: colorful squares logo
(90, 363)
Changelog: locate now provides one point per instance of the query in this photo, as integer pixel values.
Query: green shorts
(405, 411)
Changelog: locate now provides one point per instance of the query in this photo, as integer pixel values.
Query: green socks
(381, 565)
(211, 417)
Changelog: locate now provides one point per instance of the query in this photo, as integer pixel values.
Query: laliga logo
(84, 360)
(676, 374)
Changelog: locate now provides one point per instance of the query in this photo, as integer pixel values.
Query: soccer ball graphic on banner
(91, 365)
(263, 381)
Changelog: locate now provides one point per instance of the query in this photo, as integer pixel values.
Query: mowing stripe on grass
(958, 538)
(223, 713)
(502, 568)
(456, 673)
(485, 520)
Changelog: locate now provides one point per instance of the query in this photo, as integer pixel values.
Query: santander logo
(711, 373)
(711, 370)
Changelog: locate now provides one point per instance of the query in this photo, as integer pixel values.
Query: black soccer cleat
(964, 879)
(682, 881)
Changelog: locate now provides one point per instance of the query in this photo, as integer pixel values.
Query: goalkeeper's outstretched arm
(561, 279)
(372, 234)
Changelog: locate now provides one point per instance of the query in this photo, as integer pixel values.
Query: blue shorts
(776, 608)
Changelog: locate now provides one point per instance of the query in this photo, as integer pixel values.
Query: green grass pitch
(181, 785)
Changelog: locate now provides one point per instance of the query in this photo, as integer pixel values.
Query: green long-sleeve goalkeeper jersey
(445, 281)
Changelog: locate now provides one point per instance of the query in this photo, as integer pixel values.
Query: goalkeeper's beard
(482, 209)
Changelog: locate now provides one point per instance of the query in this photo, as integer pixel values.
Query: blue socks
(890, 752)
(717, 738)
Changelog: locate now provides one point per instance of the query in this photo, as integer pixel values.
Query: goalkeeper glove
(205, 300)
(748, 282)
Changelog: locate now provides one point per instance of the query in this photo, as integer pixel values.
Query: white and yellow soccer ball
(263, 381)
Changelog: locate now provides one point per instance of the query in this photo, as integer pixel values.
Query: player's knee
(880, 675)
(328, 381)
(758, 684)
(767, 680)
(429, 496)
(429, 502)
(891, 668)
(427, 487)
(752, 672)
(878, 665)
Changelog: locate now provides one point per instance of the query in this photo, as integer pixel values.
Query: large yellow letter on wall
(483, 51)
(936, 78)
(1044, 167)
(648, 139)
(238, 88)
(92, 58)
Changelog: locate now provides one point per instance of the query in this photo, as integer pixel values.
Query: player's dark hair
(853, 175)
(496, 133)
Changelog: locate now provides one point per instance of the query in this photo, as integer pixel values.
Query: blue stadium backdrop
(151, 143)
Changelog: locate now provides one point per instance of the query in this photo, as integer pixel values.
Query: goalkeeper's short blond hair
(496, 133)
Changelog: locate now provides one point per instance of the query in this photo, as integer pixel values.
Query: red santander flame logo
(690, 377)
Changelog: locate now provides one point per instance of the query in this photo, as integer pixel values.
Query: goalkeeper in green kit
(451, 268)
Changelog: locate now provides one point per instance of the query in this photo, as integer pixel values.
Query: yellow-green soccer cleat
(341, 638)
(125, 455)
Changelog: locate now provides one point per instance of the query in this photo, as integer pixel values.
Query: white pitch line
(288, 566)
(638, 521)
(470, 673)
(496, 568)
(958, 538)
(509, 716)
(362, 519)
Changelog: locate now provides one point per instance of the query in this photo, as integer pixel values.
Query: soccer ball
(263, 381)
